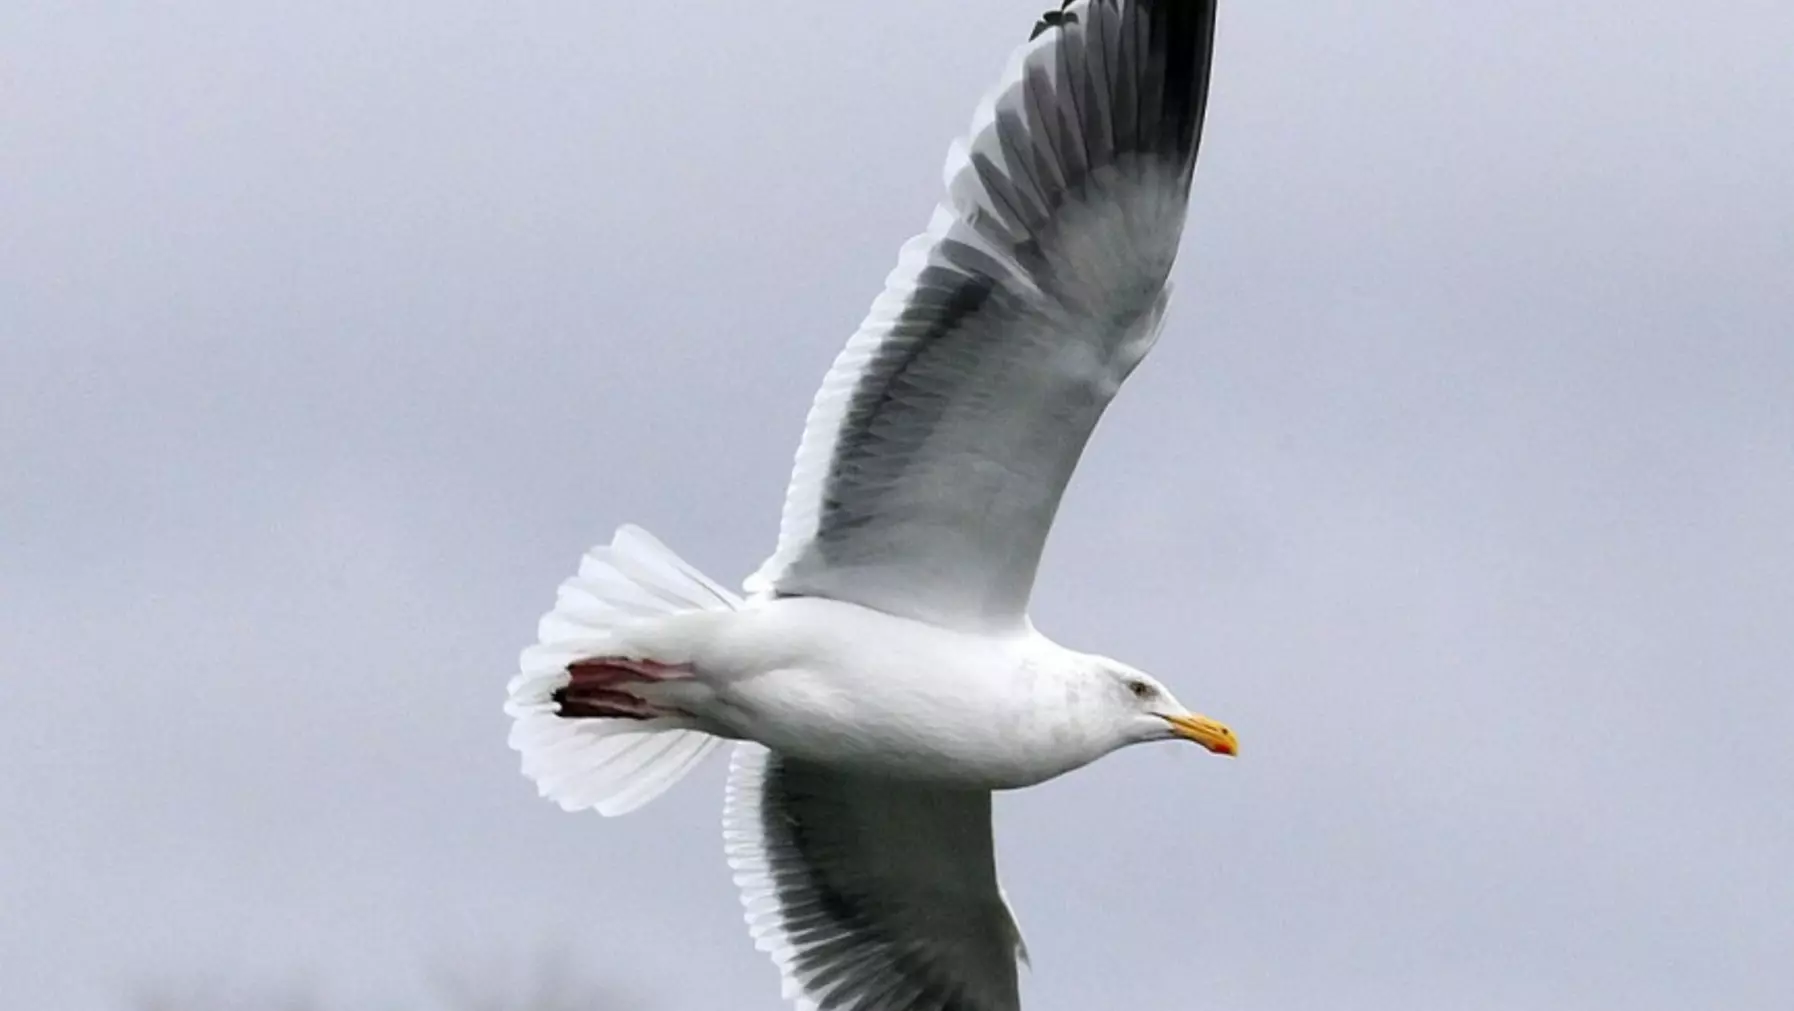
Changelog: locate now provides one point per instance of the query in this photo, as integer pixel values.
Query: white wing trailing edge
(939, 445)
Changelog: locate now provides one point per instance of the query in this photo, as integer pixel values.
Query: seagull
(880, 676)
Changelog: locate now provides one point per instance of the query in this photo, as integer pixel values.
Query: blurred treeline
(551, 985)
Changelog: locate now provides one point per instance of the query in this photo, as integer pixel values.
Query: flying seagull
(881, 676)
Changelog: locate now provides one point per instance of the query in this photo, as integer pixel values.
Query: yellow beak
(1211, 734)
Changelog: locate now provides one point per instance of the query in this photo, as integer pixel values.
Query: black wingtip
(1054, 19)
(1181, 34)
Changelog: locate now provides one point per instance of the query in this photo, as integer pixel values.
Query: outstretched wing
(870, 895)
(940, 442)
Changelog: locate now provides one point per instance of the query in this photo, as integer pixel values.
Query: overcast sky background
(1461, 484)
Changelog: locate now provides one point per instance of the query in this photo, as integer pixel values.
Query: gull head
(1145, 710)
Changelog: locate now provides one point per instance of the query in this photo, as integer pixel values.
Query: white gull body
(869, 692)
(882, 675)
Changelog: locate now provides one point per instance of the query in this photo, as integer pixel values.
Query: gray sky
(1459, 484)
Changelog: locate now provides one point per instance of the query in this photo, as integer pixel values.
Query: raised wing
(938, 447)
(870, 895)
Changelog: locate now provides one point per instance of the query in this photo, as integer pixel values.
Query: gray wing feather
(941, 441)
(870, 895)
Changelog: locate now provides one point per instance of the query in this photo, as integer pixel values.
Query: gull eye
(1141, 689)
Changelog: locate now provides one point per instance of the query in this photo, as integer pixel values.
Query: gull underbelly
(879, 694)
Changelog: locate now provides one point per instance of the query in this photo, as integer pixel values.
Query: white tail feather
(611, 765)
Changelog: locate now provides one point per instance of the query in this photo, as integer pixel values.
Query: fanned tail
(585, 741)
